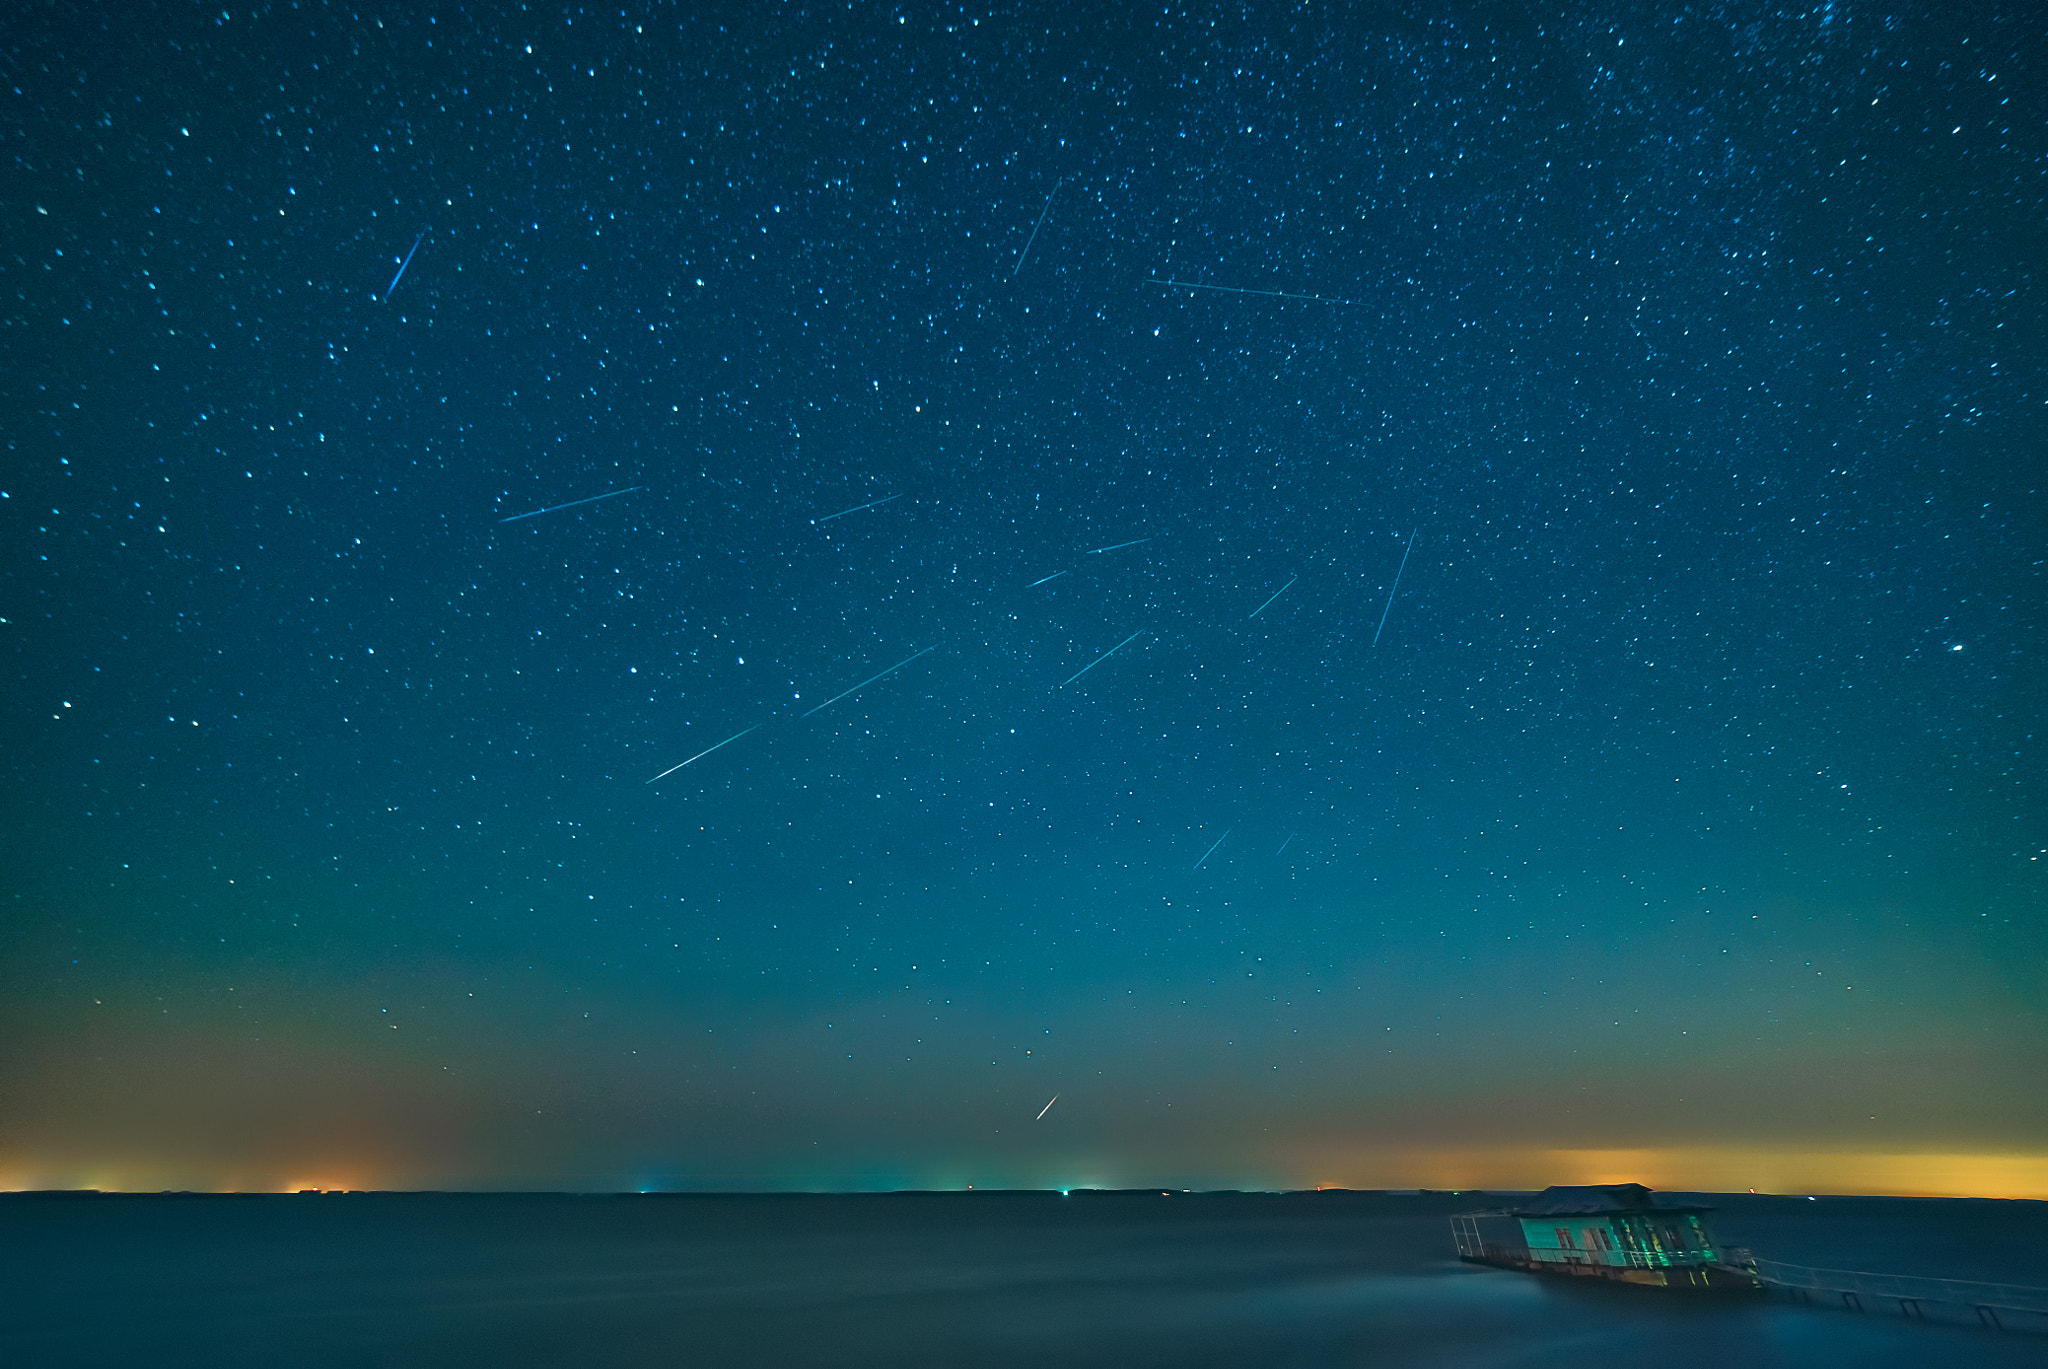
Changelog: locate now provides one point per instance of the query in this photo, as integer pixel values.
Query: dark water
(942, 1279)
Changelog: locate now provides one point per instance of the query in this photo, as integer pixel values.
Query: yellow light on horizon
(1715, 1169)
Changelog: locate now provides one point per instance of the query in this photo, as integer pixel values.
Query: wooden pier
(2001, 1306)
(1626, 1234)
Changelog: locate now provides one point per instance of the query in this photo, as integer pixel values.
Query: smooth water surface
(933, 1279)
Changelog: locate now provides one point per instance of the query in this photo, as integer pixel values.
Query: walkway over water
(2002, 1305)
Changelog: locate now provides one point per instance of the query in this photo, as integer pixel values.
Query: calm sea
(936, 1279)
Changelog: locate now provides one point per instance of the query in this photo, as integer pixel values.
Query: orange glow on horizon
(1701, 1169)
(1719, 1169)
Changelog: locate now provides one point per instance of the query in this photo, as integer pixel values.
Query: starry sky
(664, 596)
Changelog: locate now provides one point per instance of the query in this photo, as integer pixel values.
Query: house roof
(1588, 1200)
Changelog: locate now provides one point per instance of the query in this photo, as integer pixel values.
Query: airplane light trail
(402, 265)
(1103, 657)
(1233, 290)
(1212, 850)
(1047, 1108)
(608, 494)
(1119, 546)
(1034, 230)
(871, 679)
(1043, 578)
(1390, 593)
(702, 754)
(1276, 594)
(872, 503)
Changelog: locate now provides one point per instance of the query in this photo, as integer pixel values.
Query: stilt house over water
(1615, 1231)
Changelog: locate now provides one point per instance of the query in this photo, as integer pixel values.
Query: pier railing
(1990, 1302)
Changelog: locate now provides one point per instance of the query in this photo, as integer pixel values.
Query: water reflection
(993, 1280)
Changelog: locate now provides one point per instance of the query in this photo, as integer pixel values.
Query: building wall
(1632, 1240)
(1573, 1240)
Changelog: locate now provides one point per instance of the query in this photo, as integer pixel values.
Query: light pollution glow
(1710, 1169)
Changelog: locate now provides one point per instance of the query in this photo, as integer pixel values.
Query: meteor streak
(1234, 290)
(1103, 657)
(1047, 1108)
(1276, 594)
(1027, 250)
(855, 509)
(1212, 850)
(1121, 545)
(702, 754)
(608, 494)
(868, 681)
(1390, 593)
(402, 265)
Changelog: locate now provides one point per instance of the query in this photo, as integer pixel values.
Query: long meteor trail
(1212, 850)
(1103, 657)
(1043, 578)
(705, 752)
(608, 494)
(407, 262)
(1119, 546)
(1027, 250)
(872, 503)
(1276, 594)
(869, 680)
(1047, 1108)
(1390, 593)
(1234, 290)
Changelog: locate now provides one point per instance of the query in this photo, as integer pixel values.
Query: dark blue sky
(1689, 796)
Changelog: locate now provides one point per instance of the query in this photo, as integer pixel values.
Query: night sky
(1566, 538)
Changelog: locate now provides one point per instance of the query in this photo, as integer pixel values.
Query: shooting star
(1103, 657)
(871, 679)
(1233, 290)
(1212, 850)
(608, 494)
(705, 752)
(872, 503)
(1276, 594)
(402, 265)
(1119, 546)
(1390, 593)
(1047, 1108)
(1043, 578)
(1034, 238)
(1283, 845)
